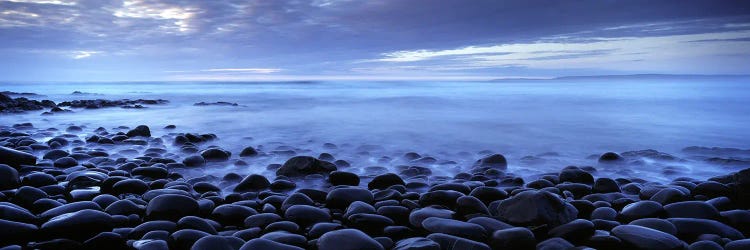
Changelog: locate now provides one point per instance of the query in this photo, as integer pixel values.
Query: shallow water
(574, 118)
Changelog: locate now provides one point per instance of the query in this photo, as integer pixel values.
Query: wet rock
(305, 165)
(576, 232)
(78, 225)
(605, 185)
(105, 240)
(264, 244)
(688, 228)
(738, 245)
(646, 238)
(611, 157)
(536, 208)
(416, 243)
(555, 243)
(215, 155)
(230, 214)
(513, 238)
(15, 158)
(251, 183)
(16, 232)
(141, 130)
(691, 209)
(342, 197)
(497, 161)
(130, 186)
(171, 207)
(576, 175)
(215, 242)
(452, 242)
(454, 227)
(194, 161)
(347, 239)
(306, 215)
(248, 152)
(384, 181)
(337, 178)
(8, 177)
(641, 209)
(417, 216)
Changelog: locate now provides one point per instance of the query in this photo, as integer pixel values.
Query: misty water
(556, 122)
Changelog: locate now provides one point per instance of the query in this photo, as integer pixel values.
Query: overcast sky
(111, 40)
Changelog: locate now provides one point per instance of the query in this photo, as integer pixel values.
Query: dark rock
(263, 244)
(215, 242)
(641, 209)
(417, 216)
(646, 238)
(452, 242)
(248, 152)
(536, 208)
(8, 177)
(15, 158)
(342, 197)
(141, 130)
(194, 161)
(497, 161)
(306, 215)
(69, 208)
(105, 240)
(416, 243)
(215, 154)
(611, 157)
(488, 194)
(125, 207)
(605, 185)
(12, 232)
(576, 175)
(668, 195)
(130, 186)
(337, 178)
(576, 232)
(688, 228)
(78, 225)
(171, 207)
(252, 183)
(513, 238)
(305, 165)
(738, 245)
(66, 162)
(347, 239)
(555, 243)
(454, 227)
(691, 209)
(230, 214)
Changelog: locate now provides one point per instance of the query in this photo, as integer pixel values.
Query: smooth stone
(646, 238)
(656, 224)
(171, 207)
(80, 225)
(555, 243)
(106, 240)
(347, 239)
(738, 245)
(264, 244)
(692, 209)
(261, 220)
(604, 213)
(299, 166)
(707, 245)
(214, 242)
(15, 158)
(130, 186)
(252, 183)
(641, 209)
(371, 224)
(197, 223)
(417, 216)
(452, 242)
(497, 161)
(337, 178)
(66, 162)
(611, 157)
(520, 238)
(38, 179)
(536, 208)
(194, 161)
(215, 154)
(416, 243)
(454, 227)
(149, 226)
(688, 228)
(185, 238)
(8, 177)
(343, 197)
(248, 152)
(384, 181)
(230, 214)
(69, 208)
(286, 238)
(125, 207)
(305, 215)
(17, 232)
(576, 232)
(140, 130)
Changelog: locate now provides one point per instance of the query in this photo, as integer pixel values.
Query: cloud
(245, 70)
(53, 2)
(668, 52)
(83, 54)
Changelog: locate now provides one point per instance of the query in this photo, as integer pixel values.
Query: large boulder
(534, 208)
(141, 130)
(305, 165)
(15, 158)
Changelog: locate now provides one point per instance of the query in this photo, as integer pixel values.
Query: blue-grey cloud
(169, 39)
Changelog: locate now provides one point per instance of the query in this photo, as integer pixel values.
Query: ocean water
(560, 122)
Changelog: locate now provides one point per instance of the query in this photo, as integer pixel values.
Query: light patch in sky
(247, 70)
(632, 53)
(180, 15)
(54, 2)
(83, 54)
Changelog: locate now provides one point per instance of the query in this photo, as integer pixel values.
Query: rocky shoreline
(123, 188)
(9, 105)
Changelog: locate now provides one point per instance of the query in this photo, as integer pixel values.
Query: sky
(211, 40)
